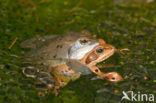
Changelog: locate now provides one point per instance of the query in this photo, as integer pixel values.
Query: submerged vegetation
(124, 24)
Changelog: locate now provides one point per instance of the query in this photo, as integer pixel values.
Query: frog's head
(99, 53)
(82, 46)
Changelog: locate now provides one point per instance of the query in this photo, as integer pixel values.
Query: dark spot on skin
(54, 56)
(96, 70)
(59, 46)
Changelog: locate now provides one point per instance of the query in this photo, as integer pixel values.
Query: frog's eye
(84, 41)
(99, 50)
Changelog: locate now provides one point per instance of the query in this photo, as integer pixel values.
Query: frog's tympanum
(54, 61)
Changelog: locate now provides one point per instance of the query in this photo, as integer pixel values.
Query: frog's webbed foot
(46, 79)
(41, 86)
(121, 50)
(48, 83)
(30, 71)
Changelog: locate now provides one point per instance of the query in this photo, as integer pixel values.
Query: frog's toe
(113, 77)
(30, 71)
(47, 79)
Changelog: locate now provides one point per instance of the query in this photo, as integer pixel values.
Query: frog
(65, 73)
(56, 72)
(52, 51)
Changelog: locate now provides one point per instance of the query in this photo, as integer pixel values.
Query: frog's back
(51, 46)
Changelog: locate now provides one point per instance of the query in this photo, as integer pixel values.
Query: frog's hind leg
(46, 78)
(47, 82)
(112, 76)
(30, 71)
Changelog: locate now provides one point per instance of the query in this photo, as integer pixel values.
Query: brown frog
(68, 72)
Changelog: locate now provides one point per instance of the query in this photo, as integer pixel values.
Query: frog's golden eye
(83, 41)
(99, 50)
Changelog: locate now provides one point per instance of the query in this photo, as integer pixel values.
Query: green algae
(124, 24)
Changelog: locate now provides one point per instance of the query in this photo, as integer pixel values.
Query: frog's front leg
(112, 76)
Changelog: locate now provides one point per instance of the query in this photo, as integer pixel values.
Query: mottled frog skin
(69, 46)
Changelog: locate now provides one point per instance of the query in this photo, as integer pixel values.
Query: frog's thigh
(96, 70)
(59, 72)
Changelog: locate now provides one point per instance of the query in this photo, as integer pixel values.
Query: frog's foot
(30, 71)
(121, 50)
(41, 86)
(113, 77)
(46, 79)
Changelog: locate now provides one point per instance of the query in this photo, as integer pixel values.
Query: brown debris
(13, 43)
